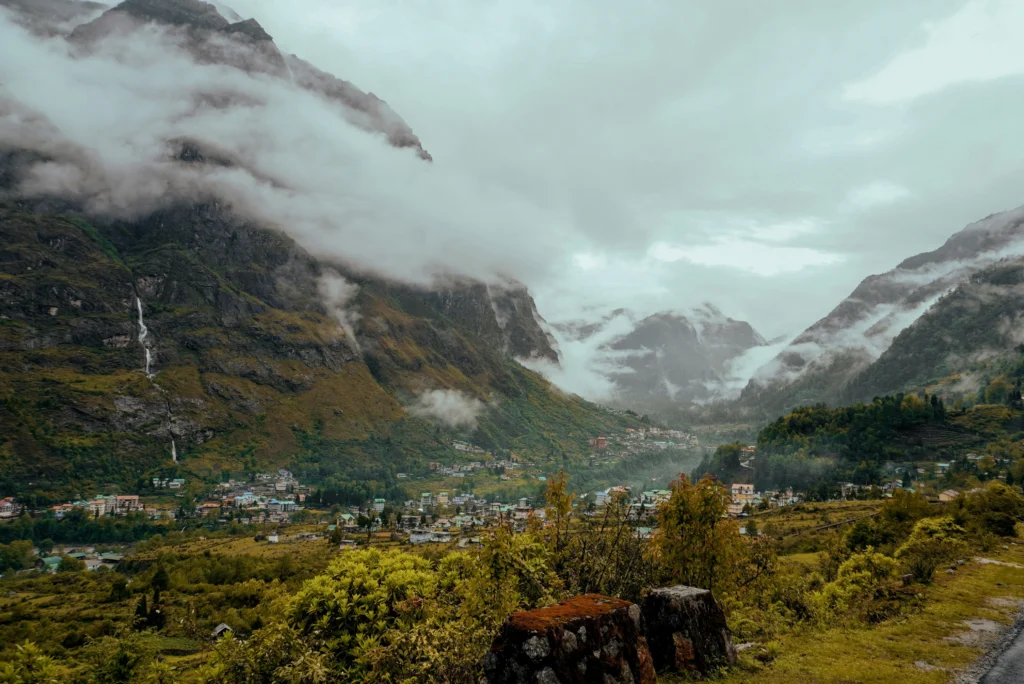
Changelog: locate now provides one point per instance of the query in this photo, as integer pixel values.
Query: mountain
(187, 337)
(975, 327)
(668, 357)
(819, 363)
(210, 38)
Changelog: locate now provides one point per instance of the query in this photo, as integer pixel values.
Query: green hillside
(249, 369)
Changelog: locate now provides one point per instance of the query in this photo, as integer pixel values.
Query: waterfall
(143, 333)
(174, 451)
(143, 330)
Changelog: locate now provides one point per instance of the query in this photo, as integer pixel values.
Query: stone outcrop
(589, 639)
(686, 630)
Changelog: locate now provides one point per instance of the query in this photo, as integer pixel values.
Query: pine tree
(141, 614)
(160, 580)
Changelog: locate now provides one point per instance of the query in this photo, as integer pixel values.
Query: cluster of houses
(641, 440)
(743, 498)
(100, 506)
(460, 470)
(9, 508)
(456, 470)
(412, 520)
(93, 560)
(168, 483)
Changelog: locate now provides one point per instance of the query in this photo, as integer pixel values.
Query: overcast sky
(763, 156)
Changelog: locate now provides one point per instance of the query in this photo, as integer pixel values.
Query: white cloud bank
(450, 407)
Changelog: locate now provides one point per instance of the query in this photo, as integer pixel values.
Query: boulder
(590, 639)
(686, 631)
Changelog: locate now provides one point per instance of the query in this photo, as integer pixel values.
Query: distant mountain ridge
(669, 357)
(824, 362)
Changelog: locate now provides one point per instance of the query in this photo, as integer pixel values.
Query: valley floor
(963, 616)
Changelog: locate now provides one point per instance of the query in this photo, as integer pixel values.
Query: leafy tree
(31, 666)
(996, 509)
(697, 543)
(118, 660)
(606, 555)
(119, 590)
(69, 564)
(833, 554)
(17, 555)
(559, 509)
(999, 391)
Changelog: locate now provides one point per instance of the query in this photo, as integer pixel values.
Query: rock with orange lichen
(589, 639)
(686, 630)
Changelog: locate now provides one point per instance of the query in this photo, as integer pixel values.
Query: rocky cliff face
(820, 363)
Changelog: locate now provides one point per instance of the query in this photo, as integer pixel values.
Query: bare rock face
(589, 639)
(686, 630)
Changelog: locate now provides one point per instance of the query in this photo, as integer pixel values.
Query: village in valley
(448, 503)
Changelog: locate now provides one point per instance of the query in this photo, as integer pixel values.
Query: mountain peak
(250, 28)
(250, 49)
(192, 13)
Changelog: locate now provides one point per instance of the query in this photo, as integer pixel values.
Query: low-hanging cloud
(337, 294)
(451, 407)
(104, 122)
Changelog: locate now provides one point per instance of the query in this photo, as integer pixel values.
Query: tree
(119, 590)
(932, 542)
(559, 509)
(118, 660)
(188, 506)
(141, 619)
(69, 564)
(698, 544)
(29, 665)
(999, 391)
(161, 580)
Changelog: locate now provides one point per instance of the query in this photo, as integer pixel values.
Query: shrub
(859, 580)
(932, 542)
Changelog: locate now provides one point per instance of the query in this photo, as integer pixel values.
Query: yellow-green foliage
(29, 665)
(390, 616)
(360, 597)
(986, 419)
(858, 580)
(932, 542)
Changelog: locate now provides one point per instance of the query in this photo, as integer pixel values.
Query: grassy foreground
(959, 619)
